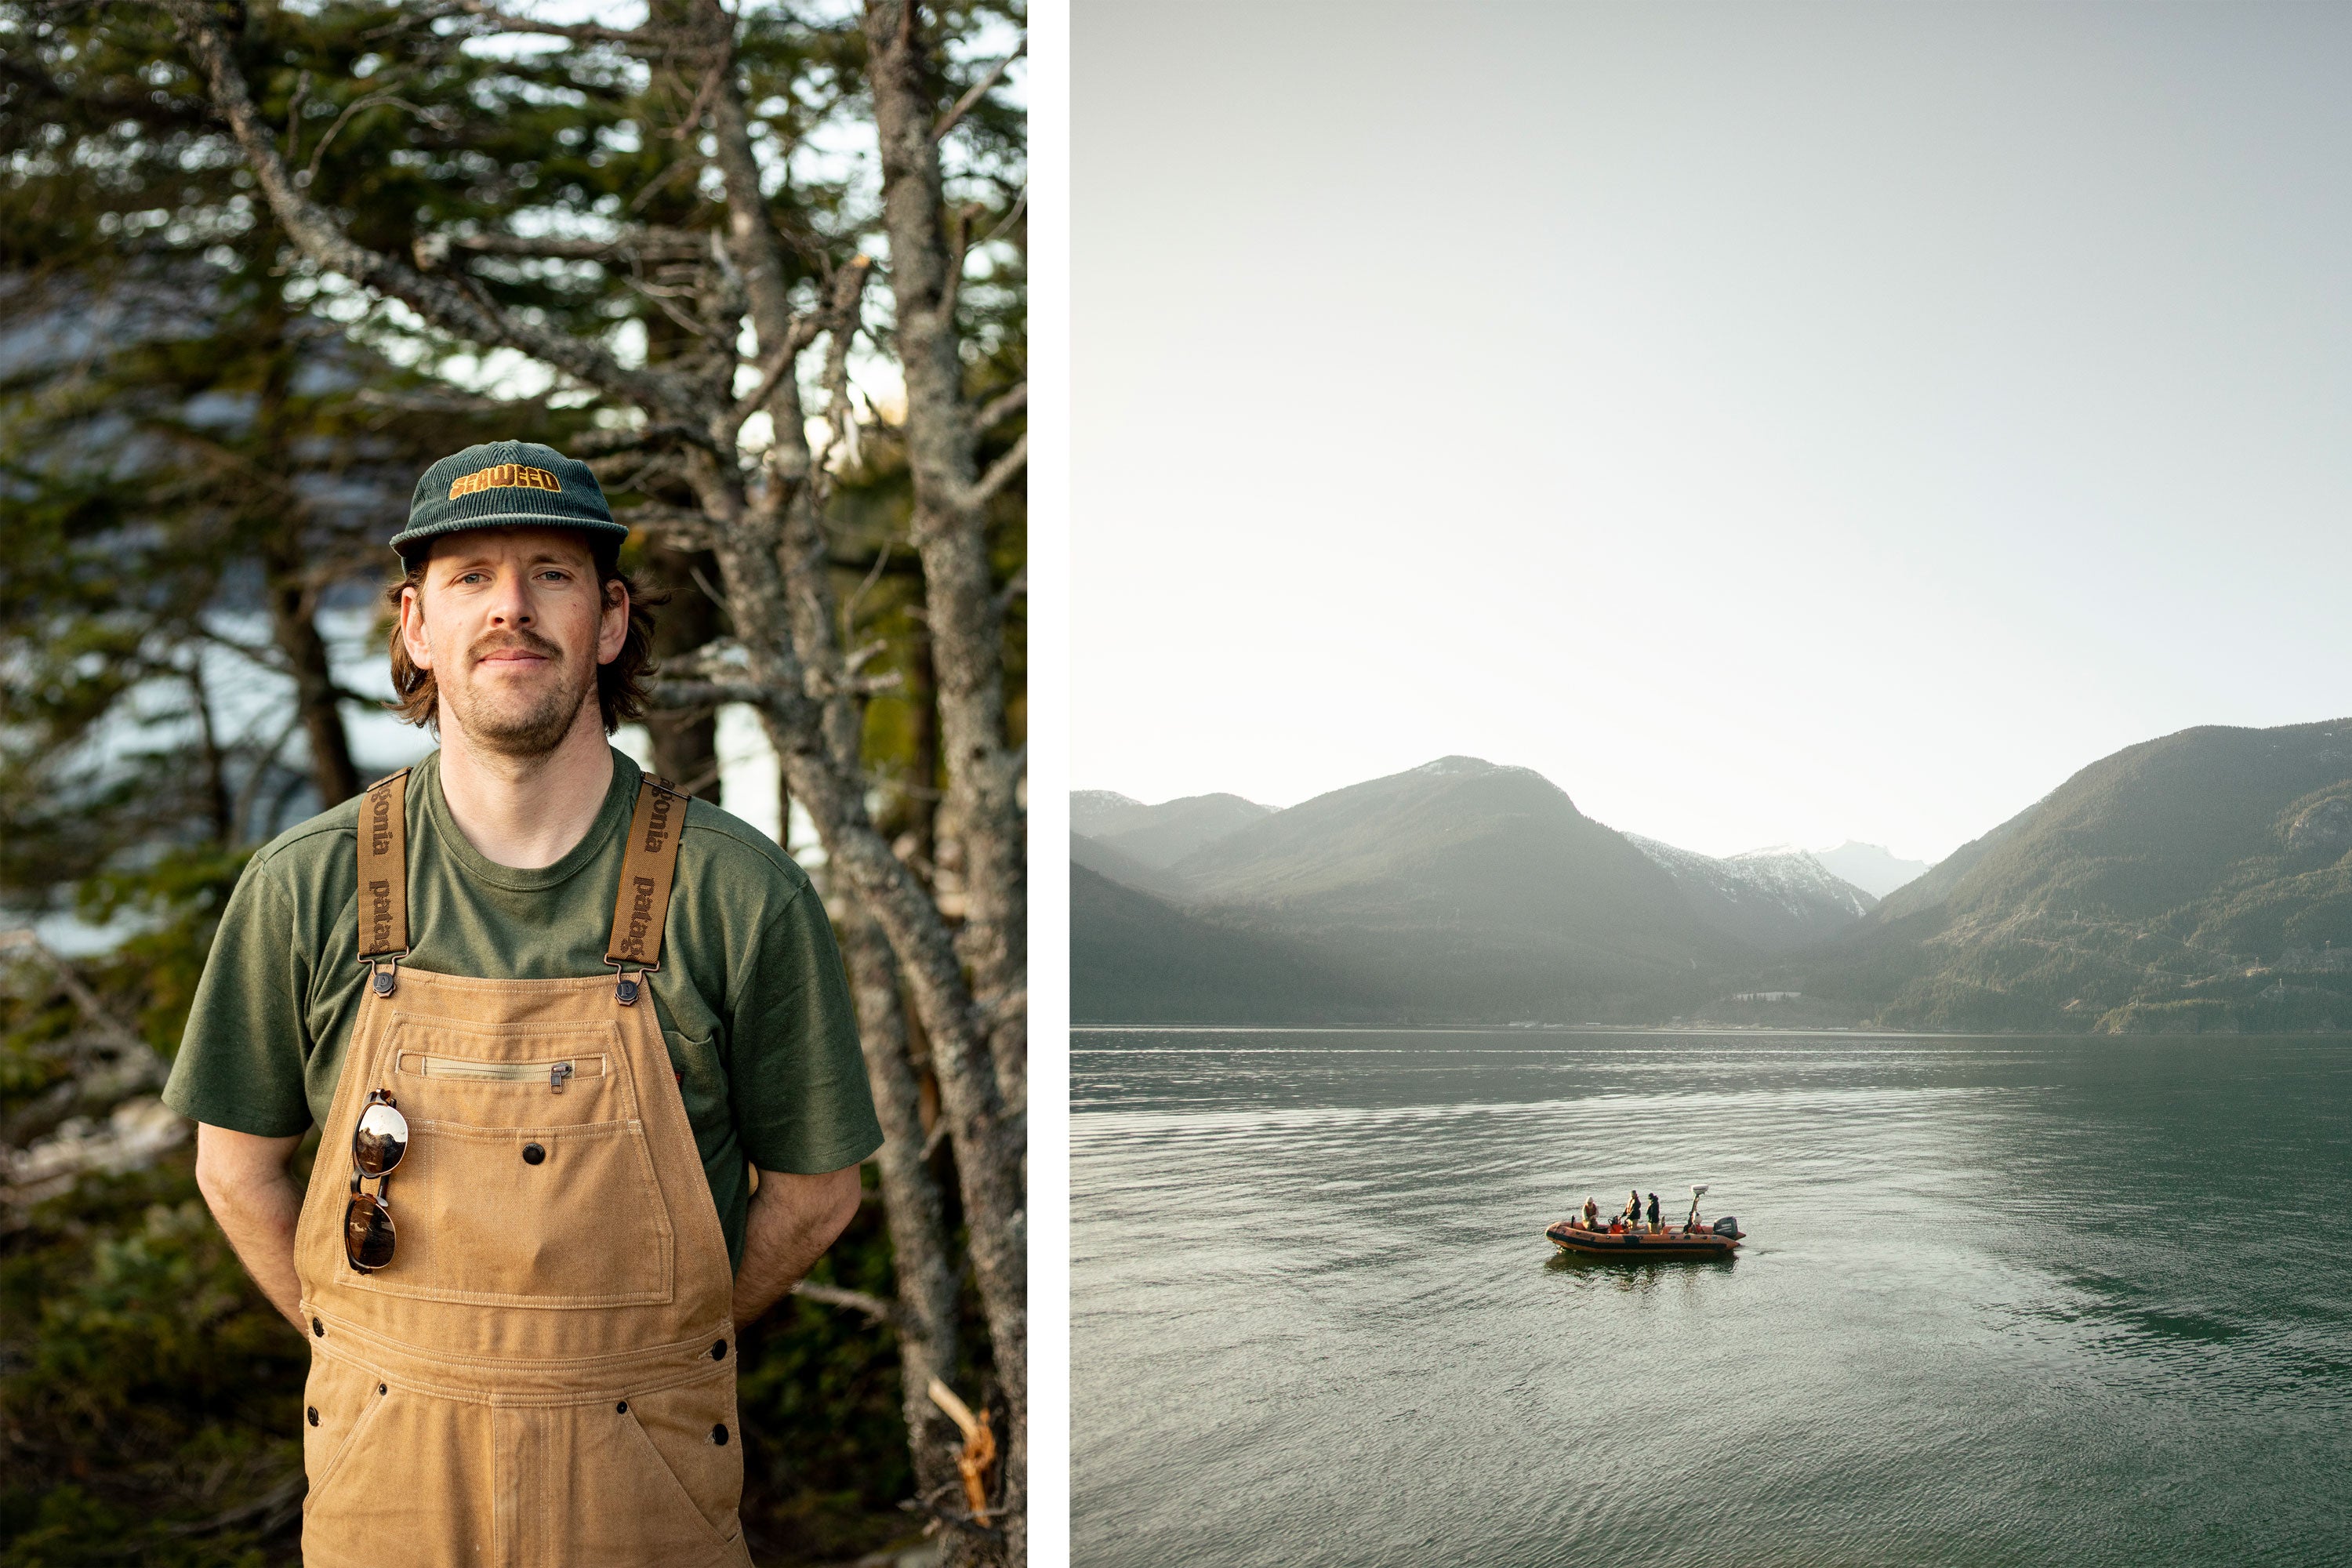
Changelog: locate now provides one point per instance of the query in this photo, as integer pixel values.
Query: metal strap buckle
(384, 971)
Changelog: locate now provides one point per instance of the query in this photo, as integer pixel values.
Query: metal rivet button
(719, 1351)
(718, 1435)
(532, 1153)
(313, 1414)
(382, 1389)
(622, 1409)
(318, 1328)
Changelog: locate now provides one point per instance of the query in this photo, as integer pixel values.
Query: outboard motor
(1728, 1226)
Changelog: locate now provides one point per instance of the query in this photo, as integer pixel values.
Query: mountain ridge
(1476, 890)
(1160, 836)
(2199, 881)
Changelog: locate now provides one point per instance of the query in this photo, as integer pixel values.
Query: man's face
(512, 622)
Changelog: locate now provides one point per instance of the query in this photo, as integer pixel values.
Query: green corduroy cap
(507, 484)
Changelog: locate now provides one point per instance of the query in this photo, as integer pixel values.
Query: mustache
(518, 637)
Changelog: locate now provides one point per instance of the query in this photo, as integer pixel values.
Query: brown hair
(620, 685)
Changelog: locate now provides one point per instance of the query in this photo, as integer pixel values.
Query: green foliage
(151, 1396)
(175, 902)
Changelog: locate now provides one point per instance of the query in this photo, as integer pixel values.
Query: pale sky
(1772, 423)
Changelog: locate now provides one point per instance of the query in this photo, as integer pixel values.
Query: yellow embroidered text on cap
(505, 476)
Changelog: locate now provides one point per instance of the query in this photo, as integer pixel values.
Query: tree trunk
(990, 1150)
(685, 742)
(218, 806)
(966, 619)
(294, 627)
(922, 798)
(293, 592)
(778, 583)
(920, 1259)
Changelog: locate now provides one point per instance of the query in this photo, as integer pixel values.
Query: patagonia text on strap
(383, 867)
(642, 905)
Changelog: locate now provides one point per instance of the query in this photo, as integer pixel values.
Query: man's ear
(411, 629)
(613, 630)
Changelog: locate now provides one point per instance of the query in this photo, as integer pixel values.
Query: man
(549, 1015)
(1654, 1213)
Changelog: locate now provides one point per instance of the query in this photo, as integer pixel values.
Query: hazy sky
(1774, 424)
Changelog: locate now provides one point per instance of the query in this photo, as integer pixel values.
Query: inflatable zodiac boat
(1669, 1241)
(1692, 1238)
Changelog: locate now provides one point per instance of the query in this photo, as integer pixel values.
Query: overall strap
(640, 907)
(383, 877)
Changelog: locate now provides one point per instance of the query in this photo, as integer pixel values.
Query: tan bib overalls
(543, 1376)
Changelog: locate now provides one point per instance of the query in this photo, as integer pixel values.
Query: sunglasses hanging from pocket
(377, 1143)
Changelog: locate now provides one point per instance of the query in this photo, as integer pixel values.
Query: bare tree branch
(294, 113)
(778, 365)
(977, 91)
(661, 298)
(641, 245)
(709, 693)
(309, 175)
(1012, 215)
(1000, 473)
(847, 315)
(959, 248)
(874, 1306)
(999, 408)
(436, 401)
(691, 120)
(661, 182)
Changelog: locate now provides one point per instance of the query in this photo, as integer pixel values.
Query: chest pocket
(527, 1159)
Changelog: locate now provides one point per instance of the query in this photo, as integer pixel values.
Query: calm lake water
(2003, 1301)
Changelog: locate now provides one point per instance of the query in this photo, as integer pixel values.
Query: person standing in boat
(1634, 1209)
(1591, 1214)
(1654, 1213)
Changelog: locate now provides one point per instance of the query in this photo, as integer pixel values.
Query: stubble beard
(517, 724)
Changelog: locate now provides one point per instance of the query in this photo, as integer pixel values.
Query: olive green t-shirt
(751, 995)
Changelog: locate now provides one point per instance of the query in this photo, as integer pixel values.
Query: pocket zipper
(557, 1073)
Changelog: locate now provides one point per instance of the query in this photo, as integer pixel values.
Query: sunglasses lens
(380, 1142)
(367, 1232)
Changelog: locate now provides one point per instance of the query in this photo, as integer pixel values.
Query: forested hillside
(1136, 958)
(2196, 882)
